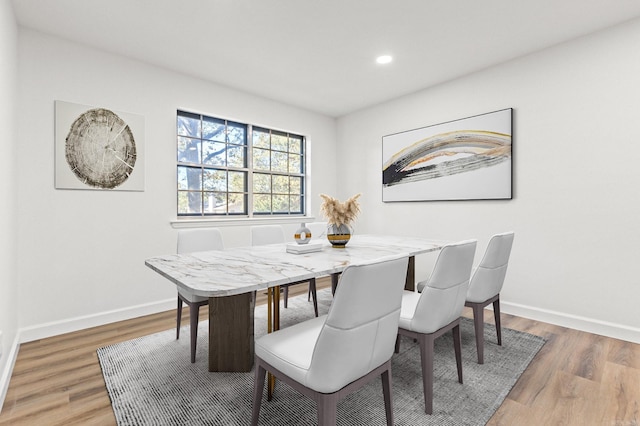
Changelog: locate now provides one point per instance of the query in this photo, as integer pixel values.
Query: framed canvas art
(465, 159)
(97, 148)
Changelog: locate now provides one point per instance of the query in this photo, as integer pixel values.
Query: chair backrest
(192, 240)
(360, 329)
(488, 277)
(318, 230)
(266, 234)
(443, 297)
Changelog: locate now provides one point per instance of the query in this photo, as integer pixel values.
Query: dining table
(230, 279)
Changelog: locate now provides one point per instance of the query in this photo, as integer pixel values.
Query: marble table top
(244, 269)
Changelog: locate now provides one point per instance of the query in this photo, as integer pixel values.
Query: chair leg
(286, 296)
(327, 409)
(386, 392)
(314, 295)
(478, 322)
(258, 387)
(178, 318)
(334, 283)
(194, 312)
(457, 345)
(397, 350)
(496, 315)
(426, 357)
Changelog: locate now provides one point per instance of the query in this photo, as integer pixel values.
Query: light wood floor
(576, 379)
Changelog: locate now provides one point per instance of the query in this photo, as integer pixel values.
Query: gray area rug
(151, 381)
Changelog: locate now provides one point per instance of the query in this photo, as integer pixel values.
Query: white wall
(80, 252)
(576, 207)
(8, 281)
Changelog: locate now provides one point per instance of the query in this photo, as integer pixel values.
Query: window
(226, 168)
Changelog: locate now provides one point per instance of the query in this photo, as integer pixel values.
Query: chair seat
(407, 311)
(410, 300)
(290, 350)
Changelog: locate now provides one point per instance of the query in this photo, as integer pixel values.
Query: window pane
(213, 129)
(280, 184)
(188, 150)
(183, 203)
(215, 202)
(295, 185)
(261, 138)
(296, 204)
(189, 178)
(189, 202)
(295, 144)
(237, 203)
(279, 161)
(189, 125)
(183, 183)
(237, 182)
(295, 165)
(236, 134)
(261, 203)
(236, 156)
(213, 153)
(279, 141)
(215, 180)
(261, 182)
(261, 159)
(281, 204)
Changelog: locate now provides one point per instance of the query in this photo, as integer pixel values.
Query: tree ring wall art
(465, 159)
(97, 148)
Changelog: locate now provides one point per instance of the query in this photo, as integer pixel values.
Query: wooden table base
(231, 340)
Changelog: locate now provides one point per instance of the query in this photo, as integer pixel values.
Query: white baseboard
(590, 325)
(42, 331)
(7, 369)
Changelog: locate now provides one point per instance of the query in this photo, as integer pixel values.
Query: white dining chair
(428, 315)
(486, 284)
(190, 241)
(328, 357)
(274, 234)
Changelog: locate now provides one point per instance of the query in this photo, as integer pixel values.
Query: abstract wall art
(97, 148)
(465, 159)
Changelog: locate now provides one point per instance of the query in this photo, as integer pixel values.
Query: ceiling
(320, 54)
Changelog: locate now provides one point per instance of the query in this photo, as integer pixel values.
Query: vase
(338, 235)
(302, 234)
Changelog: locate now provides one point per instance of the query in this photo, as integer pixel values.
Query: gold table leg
(273, 324)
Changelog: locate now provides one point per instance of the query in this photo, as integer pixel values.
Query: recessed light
(384, 59)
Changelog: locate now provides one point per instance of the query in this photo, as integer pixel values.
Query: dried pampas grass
(338, 213)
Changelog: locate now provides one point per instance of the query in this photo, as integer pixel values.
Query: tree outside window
(227, 168)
